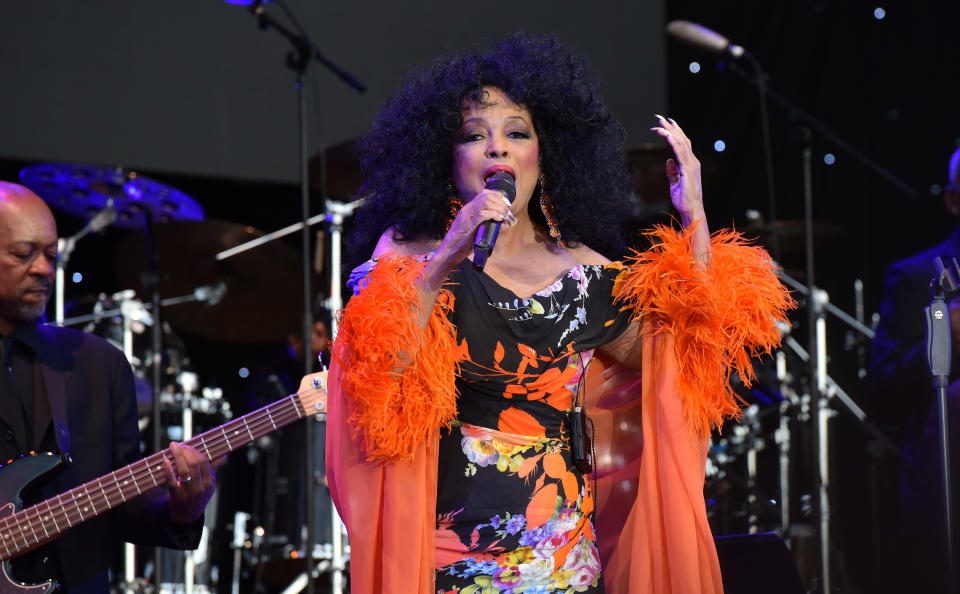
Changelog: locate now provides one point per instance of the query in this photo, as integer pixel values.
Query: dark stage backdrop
(193, 94)
(883, 76)
(193, 86)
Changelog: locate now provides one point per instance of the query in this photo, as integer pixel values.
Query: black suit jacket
(92, 383)
(899, 383)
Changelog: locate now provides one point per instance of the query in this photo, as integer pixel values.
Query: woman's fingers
(676, 137)
(683, 173)
(488, 205)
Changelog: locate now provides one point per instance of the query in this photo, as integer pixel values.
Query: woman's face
(497, 135)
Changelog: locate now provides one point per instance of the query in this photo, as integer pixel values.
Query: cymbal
(789, 228)
(647, 163)
(83, 190)
(264, 287)
(790, 234)
(337, 168)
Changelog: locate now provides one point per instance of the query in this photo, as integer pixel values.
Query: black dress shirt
(24, 400)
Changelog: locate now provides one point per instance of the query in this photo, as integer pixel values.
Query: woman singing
(454, 449)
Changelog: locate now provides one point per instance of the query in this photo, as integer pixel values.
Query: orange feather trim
(720, 315)
(399, 377)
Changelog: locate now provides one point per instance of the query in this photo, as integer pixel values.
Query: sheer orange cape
(699, 324)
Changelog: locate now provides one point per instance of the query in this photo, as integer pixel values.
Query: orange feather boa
(396, 410)
(720, 315)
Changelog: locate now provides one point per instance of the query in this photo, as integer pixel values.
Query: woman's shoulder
(391, 243)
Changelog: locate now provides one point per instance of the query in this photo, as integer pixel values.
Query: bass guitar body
(15, 477)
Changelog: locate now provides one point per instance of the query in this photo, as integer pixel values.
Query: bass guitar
(23, 530)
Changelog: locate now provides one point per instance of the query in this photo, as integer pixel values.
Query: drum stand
(333, 558)
(66, 245)
(782, 437)
(826, 389)
(134, 315)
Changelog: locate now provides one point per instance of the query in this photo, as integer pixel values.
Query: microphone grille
(502, 181)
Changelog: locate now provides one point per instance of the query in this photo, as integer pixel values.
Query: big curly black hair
(407, 156)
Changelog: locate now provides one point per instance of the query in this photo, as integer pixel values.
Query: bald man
(63, 390)
(900, 388)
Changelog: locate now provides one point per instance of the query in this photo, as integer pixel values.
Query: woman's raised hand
(683, 173)
(686, 192)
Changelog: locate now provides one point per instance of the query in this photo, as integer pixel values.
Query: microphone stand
(298, 59)
(945, 282)
(761, 82)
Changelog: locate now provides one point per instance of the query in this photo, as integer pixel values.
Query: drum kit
(772, 470)
(250, 297)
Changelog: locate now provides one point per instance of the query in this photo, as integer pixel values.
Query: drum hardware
(281, 546)
(783, 437)
(189, 386)
(807, 126)
(788, 233)
(65, 247)
(733, 471)
(105, 196)
(207, 294)
(240, 542)
(126, 317)
(816, 411)
(335, 215)
(216, 293)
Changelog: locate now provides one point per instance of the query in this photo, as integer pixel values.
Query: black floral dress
(513, 513)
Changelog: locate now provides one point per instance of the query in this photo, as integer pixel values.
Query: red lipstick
(497, 168)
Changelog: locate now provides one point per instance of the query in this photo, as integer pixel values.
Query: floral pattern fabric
(514, 515)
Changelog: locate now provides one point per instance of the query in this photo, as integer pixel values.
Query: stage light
(694, 67)
(879, 13)
(829, 159)
(77, 277)
(244, 372)
(719, 146)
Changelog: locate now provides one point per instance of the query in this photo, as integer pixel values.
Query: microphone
(700, 36)
(504, 183)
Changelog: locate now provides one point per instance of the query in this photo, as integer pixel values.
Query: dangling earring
(454, 204)
(546, 205)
